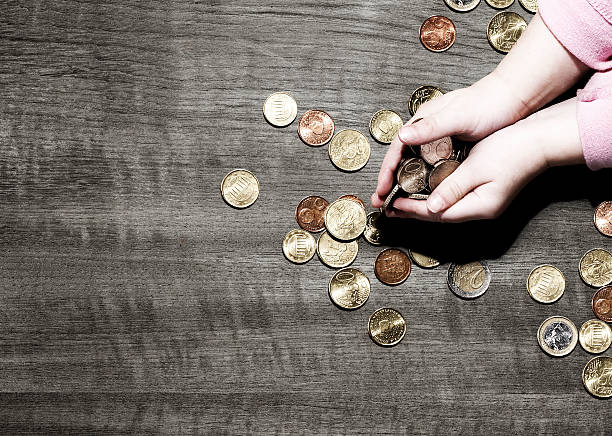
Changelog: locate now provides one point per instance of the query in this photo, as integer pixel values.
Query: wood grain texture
(134, 300)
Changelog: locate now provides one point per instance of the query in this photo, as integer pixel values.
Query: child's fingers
(437, 122)
(454, 188)
(388, 167)
(476, 205)
(408, 208)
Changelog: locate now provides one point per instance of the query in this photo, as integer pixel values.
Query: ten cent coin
(384, 126)
(438, 33)
(280, 109)
(310, 213)
(349, 288)
(387, 327)
(597, 376)
(345, 219)
(349, 150)
(595, 336)
(469, 280)
(462, 5)
(504, 29)
(299, 246)
(602, 304)
(596, 268)
(336, 254)
(422, 95)
(315, 127)
(603, 218)
(557, 336)
(546, 284)
(240, 188)
(392, 266)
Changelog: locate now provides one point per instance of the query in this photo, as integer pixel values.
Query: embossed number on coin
(469, 280)
(384, 126)
(336, 254)
(504, 29)
(315, 127)
(603, 218)
(349, 150)
(421, 95)
(602, 304)
(345, 219)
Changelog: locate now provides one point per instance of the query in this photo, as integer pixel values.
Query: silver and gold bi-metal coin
(597, 376)
(557, 336)
(595, 336)
(280, 109)
(469, 280)
(240, 189)
(345, 219)
(299, 246)
(349, 288)
(349, 150)
(336, 254)
(596, 268)
(504, 29)
(384, 125)
(387, 327)
(546, 284)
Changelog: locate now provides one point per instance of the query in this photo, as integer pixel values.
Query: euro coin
(422, 95)
(597, 376)
(423, 260)
(595, 336)
(437, 150)
(345, 219)
(603, 218)
(418, 196)
(373, 233)
(353, 197)
(387, 327)
(438, 33)
(440, 172)
(280, 109)
(596, 268)
(336, 254)
(469, 280)
(500, 4)
(545, 284)
(462, 5)
(240, 189)
(557, 336)
(299, 246)
(412, 175)
(384, 126)
(315, 128)
(390, 198)
(504, 29)
(530, 5)
(349, 150)
(349, 288)
(392, 266)
(602, 304)
(310, 213)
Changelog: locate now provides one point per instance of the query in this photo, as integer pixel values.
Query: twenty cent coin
(315, 127)
(349, 150)
(546, 284)
(595, 336)
(603, 218)
(602, 304)
(387, 327)
(444, 169)
(530, 5)
(423, 260)
(434, 151)
(384, 126)
(504, 29)
(240, 188)
(438, 33)
(596, 268)
(299, 246)
(597, 376)
(336, 254)
(422, 95)
(310, 213)
(462, 5)
(280, 109)
(345, 219)
(349, 288)
(392, 266)
(499, 4)
(469, 280)
(557, 336)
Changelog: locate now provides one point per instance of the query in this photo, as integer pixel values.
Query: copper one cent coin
(603, 218)
(441, 172)
(602, 304)
(392, 266)
(315, 127)
(435, 151)
(438, 33)
(310, 213)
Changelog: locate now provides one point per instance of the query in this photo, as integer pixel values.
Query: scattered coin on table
(336, 254)
(602, 304)
(353, 197)
(597, 376)
(557, 336)
(546, 284)
(349, 150)
(315, 127)
(596, 267)
(462, 5)
(299, 246)
(240, 189)
(349, 288)
(504, 29)
(387, 327)
(422, 95)
(438, 33)
(373, 233)
(384, 126)
(603, 218)
(595, 336)
(280, 109)
(422, 260)
(500, 4)
(529, 5)
(345, 219)
(392, 266)
(310, 213)
(469, 280)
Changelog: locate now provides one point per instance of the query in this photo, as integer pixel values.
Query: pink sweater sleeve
(584, 27)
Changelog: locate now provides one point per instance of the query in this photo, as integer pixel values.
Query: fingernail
(435, 203)
(403, 133)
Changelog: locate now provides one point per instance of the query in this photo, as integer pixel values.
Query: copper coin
(441, 172)
(603, 218)
(435, 151)
(392, 266)
(310, 213)
(354, 198)
(315, 127)
(438, 33)
(602, 304)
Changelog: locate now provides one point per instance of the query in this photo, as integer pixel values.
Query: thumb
(437, 125)
(452, 189)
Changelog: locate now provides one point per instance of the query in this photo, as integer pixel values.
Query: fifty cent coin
(392, 266)
(530, 5)
(603, 218)
(349, 150)
(469, 280)
(595, 336)
(387, 327)
(310, 213)
(354, 198)
(597, 376)
(349, 288)
(315, 127)
(438, 33)
(299, 246)
(557, 336)
(602, 304)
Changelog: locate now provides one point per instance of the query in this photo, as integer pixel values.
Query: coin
(557, 336)
(392, 266)
(349, 288)
(444, 169)
(545, 284)
(603, 218)
(530, 5)
(422, 95)
(469, 280)
(504, 29)
(438, 33)
(354, 198)
(596, 268)
(387, 327)
(299, 246)
(345, 219)
(349, 150)
(387, 204)
(418, 196)
(384, 126)
(462, 5)
(597, 376)
(336, 254)
(315, 127)
(499, 4)
(373, 232)
(310, 213)
(595, 336)
(434, 151)
(280, 109)
(240, 188)
(423, 260)
(602, 304)
(412, 175)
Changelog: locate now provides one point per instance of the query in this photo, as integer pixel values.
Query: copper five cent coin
(315, 127)
(310, 213)
(434, 151)
(438, 33)
(387, 327)
(602, 304)
(392, 266)
(603, 218)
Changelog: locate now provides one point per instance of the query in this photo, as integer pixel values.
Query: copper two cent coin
(602, 304)
(315, 127)
(603, 218)
(438, 33)
(310, 213)
(392, 266)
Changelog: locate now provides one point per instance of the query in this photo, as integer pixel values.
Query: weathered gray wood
(134, 300)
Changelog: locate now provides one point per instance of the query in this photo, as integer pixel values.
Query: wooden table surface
(134, 300)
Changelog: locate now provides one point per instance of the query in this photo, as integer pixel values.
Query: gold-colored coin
(557, 336)
(423, 260)
(299, 246)
(387, 327)
(595, 336)
(597, 376)
(421, 95)
(545, 284)
(596, 268)
(499, 4)
(462, 5)
(504, 29)
(345, 219)
(349, 288)
(530, 5)
(349, 150)
(336, 254)
(240, 188)
(384, 126)
(280, 109)
(373, 232)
